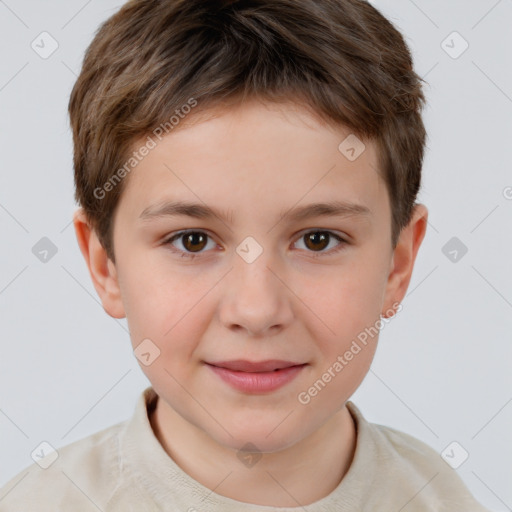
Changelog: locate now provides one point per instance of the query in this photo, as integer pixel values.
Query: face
(266, 279)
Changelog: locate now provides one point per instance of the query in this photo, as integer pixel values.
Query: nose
(256, 297)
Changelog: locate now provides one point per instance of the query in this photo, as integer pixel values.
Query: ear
(404, 255)
(102, 270)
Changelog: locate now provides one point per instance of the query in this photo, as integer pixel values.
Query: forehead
(253, 156)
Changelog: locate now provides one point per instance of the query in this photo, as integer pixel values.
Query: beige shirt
(124, 468)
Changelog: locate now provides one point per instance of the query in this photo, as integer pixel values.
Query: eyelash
(316, 254)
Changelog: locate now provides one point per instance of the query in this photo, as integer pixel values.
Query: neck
(296, 476)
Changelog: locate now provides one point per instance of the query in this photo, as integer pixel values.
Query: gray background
(442, 370)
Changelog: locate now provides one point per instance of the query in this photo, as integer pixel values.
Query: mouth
(241, 365)
(256, 376)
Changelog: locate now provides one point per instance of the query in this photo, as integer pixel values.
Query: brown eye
(318, 241)
(191, 242)
(194, 241)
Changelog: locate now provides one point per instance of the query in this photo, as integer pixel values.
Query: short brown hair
(342, 59)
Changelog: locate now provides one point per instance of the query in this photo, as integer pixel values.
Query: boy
(255, 129)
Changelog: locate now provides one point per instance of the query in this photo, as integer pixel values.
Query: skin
(297, 301)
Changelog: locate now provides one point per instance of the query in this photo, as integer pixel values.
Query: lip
(242, 365)
(256, 376)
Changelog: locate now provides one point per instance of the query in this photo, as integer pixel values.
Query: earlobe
(102, 271)
(404, 257)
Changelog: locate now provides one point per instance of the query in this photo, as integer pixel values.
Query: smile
(256, 377)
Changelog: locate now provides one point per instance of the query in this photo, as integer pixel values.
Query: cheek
(337, 380)
(173, 313)
(160, 299)
(344, 302)
(350, 307)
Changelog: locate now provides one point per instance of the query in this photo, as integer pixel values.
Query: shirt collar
(148, 466)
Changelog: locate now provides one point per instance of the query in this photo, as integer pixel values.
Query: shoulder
(411, 468)
(409, 450)
(78, 476)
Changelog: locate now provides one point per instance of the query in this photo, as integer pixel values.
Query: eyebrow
(202, 211)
